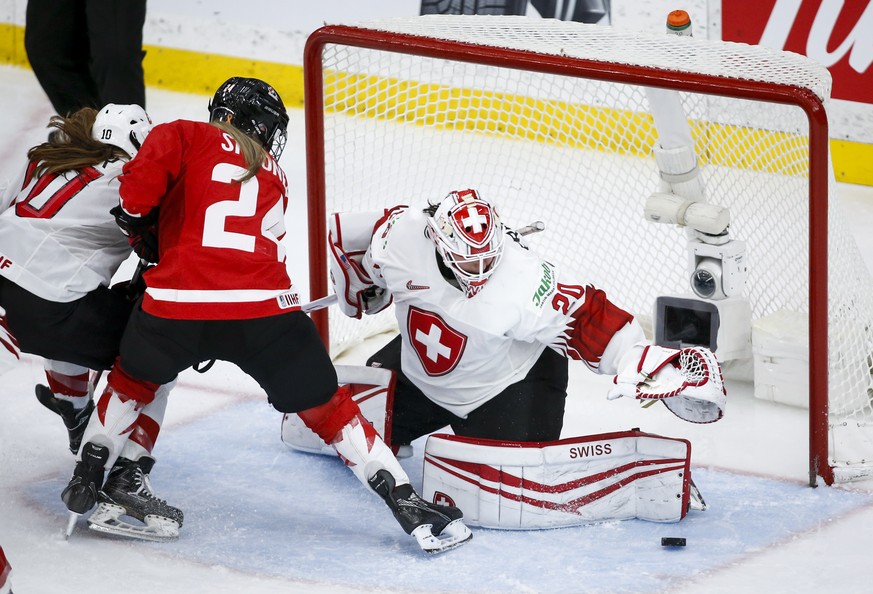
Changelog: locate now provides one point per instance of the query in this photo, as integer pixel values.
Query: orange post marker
(679, 23)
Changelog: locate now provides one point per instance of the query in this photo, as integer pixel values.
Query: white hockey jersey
(463, 351)
(57, 238)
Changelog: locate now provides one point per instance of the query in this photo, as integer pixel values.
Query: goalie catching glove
(688, 381)
(141, 232)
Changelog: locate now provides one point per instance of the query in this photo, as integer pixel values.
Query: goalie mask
(124, 126)
(468, 236)
(255, 108)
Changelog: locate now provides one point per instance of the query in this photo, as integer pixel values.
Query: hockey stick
(534, 227)
(329, 300)
(140, 268)
(319, 303)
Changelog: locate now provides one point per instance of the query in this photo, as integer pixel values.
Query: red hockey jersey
(220, 247)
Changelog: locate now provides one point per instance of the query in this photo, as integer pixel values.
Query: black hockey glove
(134, 288)
(141, 232)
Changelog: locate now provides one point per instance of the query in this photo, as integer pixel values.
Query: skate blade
(71, 524)
(106, 519)
(452, 536)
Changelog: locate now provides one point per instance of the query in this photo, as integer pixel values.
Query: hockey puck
(672, 541)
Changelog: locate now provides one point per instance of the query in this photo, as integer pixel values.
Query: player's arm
(688, 381)
(595, 330)
(141, 232)
(9, 188)
(146, 178)
(143, 183)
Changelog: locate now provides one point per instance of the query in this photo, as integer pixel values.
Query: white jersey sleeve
(8, 189)
(57, 238)
(463, 351)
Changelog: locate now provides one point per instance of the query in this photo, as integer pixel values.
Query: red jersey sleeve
(146, 178)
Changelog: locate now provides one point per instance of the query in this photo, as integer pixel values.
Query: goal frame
(648, 76)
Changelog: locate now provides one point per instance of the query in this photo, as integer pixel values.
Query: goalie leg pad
(570, 482)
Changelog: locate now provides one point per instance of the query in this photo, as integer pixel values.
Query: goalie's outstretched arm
(689, 381)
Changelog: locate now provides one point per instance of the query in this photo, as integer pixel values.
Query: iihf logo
(441, 498)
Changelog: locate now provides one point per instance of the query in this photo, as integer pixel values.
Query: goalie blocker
(595, 478)
(348, 239)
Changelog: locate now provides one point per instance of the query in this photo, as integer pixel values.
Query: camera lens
(703, 283)
(706, 279)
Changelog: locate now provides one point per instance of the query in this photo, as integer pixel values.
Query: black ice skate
(74, 420)
(128, 492)
(80, 495)
(437, 528)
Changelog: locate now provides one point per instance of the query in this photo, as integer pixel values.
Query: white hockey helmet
(124, 126)
(468, 235)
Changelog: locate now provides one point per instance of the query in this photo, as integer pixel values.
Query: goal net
(551, 120)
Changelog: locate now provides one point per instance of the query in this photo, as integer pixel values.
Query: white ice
(260, 518)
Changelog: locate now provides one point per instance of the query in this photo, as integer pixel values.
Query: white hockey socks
(364, 452)
(69, 382)
(371, 388)
(339, 422)
(117, 412)
(142, 439)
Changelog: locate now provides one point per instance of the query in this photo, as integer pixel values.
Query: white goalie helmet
(125, 126)
(468, 235)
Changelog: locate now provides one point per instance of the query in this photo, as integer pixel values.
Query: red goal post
(339, 89)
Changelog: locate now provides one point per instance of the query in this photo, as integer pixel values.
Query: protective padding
(349, 237)
(148, 425)
(129, 388)
(688, 381)
(111, 424)
(372, 389)
(326, 420)
(361, 449)
(580, 480)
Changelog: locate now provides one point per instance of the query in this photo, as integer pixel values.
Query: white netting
(577, 154)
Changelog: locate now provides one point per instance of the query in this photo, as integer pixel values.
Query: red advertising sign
(835, 33)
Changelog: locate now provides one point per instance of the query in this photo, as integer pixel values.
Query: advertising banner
(835, 33)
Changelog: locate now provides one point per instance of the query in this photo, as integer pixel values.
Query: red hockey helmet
(468, 235)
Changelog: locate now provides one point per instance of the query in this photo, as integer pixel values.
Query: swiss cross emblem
(439, 347)
(441, 498)
(473, 222)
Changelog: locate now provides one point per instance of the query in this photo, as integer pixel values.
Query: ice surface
(260, 518)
